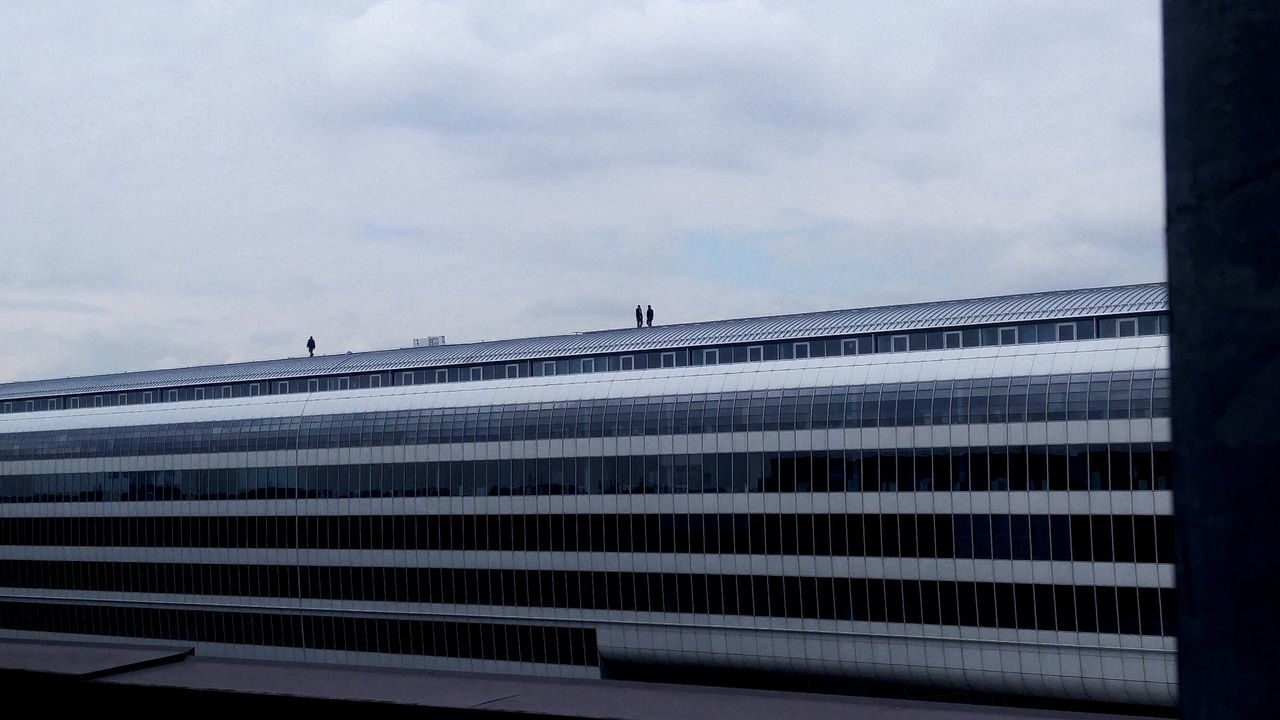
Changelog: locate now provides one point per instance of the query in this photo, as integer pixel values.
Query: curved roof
(1090, 356)
(1061, 304)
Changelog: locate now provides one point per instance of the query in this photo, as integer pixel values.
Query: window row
(1080, 538)
(906, 341)
(1116, 395)
(1119, 466)
(1068, 608)
(438, 638)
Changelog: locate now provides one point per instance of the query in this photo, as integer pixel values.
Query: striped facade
(993, 516)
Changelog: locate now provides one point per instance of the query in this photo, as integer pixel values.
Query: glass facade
(928, 516)
(1118, 466)
(1094, 396)
(1100, 538)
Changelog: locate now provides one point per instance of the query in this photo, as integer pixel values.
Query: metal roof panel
(1062, 304)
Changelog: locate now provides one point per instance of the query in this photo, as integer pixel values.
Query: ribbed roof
(1062, 304)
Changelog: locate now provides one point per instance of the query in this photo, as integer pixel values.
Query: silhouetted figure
(639, 317)
(311, 346)
(648, 315)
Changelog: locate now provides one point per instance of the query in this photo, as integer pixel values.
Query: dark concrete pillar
(1222, 150)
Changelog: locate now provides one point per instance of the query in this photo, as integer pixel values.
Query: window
(282, 387)
(668, 359)
(146, 397)
(124, 399)
(199, 393)
(226, 391)
(344, 383)
(406, 378)
(97, 401)
(549, 367)
(254, 390)
(173, 396)
(53, 403)
(75, 403)
(1127, 327)
(755, 353)
(31, 405)
(477, 373)
(313, 385)
(1066, 331)
(588, 365)
(711, 357)
(375, 381)
(900, 343)
(951, 339)
(8, 407)
(1008, 336)
(442, 375)
(801, 350)
(849, 347)
(512, 371)
(628, 362)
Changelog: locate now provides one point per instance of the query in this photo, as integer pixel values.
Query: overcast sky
(192, 183)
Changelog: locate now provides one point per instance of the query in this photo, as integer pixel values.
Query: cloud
(384, 232)
(217, 182)
(653, 83)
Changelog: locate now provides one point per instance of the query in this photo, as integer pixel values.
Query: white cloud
(209, 182)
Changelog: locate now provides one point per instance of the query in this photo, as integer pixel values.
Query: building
(968, 494)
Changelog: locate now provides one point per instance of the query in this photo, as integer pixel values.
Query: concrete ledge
(83, 660)
(465, 694)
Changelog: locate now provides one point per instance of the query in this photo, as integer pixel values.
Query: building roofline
(764, 328)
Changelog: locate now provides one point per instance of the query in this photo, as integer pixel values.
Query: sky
(188, 183)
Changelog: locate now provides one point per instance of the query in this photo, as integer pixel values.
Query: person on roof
(639, 317)
(648, 315)
(311, 346)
